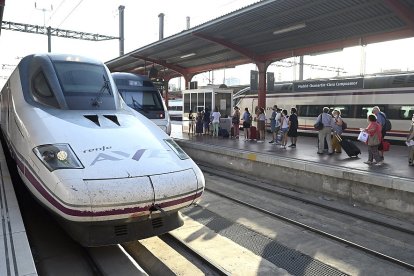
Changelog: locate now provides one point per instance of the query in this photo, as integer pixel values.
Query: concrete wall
(361, 187)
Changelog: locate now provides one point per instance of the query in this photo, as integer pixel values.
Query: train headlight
(176, 148)
(58, 156)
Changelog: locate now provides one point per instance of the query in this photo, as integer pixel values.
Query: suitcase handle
(338, 137)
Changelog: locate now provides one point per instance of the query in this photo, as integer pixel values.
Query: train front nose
(176, 190)
(133, 197)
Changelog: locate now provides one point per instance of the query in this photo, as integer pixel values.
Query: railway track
(168, 255)
(253, 183)
(213, 267)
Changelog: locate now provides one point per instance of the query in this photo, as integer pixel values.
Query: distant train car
(140, 94)
(354, 97)
(105, 171)
(175, 109)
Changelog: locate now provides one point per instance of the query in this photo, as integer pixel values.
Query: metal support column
(262, 67)
(121, 30)
(301, 68)
(166, 81)
(49, 39)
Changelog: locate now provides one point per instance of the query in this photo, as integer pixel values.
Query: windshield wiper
(138, 106)
(98, 100)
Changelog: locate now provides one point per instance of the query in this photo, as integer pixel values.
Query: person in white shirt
(284, 128)
(275, 124)
(410, 139)
(216, 121)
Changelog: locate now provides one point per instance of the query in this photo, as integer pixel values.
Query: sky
(141, 29)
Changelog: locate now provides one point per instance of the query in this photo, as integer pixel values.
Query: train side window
(42, 92)
(406, 112)
(314, 110)
(364, 111)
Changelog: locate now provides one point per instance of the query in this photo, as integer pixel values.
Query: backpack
(344, 125)
(250, 118)
(387, 125)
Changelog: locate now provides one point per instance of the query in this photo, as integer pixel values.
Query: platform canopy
(268, 31)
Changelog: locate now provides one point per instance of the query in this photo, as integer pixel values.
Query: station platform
(15, 254)
(390, 186)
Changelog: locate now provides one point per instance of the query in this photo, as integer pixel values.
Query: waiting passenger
(410, 140)
(235, 120)
(191, 122)
(337, 130)
(284, 128)
(293, 127)
(381, 119)
(374, 139)
(199, 124)
(275, 124)
(247, 122)
(206, 121)
(261, 124)
(216, 121)
(325, 132)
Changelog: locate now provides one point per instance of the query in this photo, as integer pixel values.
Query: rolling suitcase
(349, 147)
(223, 133)
(253, 133)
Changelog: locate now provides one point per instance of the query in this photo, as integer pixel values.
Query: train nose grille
(120, 230)
(157, 223)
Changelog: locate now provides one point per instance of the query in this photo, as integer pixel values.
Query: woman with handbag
(410, 139)
(235, 120)
(374, 139)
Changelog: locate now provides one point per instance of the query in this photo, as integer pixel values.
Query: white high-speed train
(108, 173)
(354, 97)
(139, 93)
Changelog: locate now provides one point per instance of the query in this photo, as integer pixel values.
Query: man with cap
(275, 124)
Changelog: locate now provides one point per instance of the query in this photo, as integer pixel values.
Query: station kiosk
(210, 96)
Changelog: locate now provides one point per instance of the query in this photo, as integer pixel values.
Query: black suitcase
(349, 147)
(224, 133)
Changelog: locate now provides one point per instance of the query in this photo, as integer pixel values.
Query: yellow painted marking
(251, 156)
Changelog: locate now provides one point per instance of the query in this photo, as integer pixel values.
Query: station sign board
(328, 85)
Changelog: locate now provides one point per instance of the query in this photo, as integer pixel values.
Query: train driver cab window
(85, 85)
(42, 92)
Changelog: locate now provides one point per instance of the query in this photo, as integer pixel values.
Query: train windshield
(85, 86)
(142, 101)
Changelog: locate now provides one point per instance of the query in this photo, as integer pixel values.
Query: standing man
(293, 127)
(382, 120)
(206, 121)
(275, 124)
(325, 132)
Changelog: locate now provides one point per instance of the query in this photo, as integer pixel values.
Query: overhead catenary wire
(69, 14)
(58, 7)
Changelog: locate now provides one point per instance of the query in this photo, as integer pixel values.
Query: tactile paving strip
(293, 261)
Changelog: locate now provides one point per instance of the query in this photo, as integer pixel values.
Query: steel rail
(319, 232)
(226, 175)
(211, 265)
